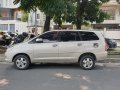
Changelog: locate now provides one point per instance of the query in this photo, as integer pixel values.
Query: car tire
(87, 62)
(21, 62)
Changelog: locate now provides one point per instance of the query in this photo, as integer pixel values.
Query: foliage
(0, 15)
(57, 9)
(118, 1)
(89, 11)
(78, 12)
(66, 13)
(24, 17)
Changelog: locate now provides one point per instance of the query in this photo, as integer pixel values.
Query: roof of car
(76, 30)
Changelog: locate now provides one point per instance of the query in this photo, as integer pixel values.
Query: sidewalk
(2, 58)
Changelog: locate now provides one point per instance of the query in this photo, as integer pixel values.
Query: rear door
(90, 41)
(70, 46)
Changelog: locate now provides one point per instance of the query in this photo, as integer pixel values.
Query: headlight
(9, 48)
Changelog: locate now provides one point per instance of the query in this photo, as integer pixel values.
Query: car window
(67, 36)
(48, 37)
(88, 36)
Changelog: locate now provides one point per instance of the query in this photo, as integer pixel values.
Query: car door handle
(55, 45)
(79, 44)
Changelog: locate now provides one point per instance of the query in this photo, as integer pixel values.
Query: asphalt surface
(59, 77)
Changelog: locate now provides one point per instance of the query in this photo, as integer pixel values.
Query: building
(110, 27)
(10, 19)
(37, 19)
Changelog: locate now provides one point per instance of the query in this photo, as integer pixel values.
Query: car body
(64, 46)
(111, 43)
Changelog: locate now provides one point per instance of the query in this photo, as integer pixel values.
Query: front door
(46, 51)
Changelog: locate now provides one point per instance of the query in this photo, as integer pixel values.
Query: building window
(4, 27)
(12, 28)
(38, 16)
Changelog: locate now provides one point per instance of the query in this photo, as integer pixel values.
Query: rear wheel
(21, 62)
(87, 62)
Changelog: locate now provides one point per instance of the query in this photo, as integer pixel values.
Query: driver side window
(48, 37)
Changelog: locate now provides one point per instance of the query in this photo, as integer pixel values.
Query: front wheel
(21, 62)
(87, 62)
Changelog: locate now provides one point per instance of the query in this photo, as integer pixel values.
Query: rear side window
(67, 36)
(88, 36)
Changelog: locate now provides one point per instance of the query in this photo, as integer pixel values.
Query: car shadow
(60, 66)
(56, 66)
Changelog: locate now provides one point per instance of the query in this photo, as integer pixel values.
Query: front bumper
(8, 57)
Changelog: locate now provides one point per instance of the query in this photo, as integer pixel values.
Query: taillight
(106, 46)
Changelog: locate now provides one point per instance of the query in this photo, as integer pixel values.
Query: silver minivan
(63, 46)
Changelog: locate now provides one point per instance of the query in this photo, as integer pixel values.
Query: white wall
(111, 34)
(8, 4)
(40, 21)
(20, 26)
(117, 18)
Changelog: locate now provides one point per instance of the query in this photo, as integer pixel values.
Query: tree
(56, 10)
(24, 17)
(89, 11)
(51, 8)
(118, 1)
(33, 5)
(0, 15)
(78, 12)
(66, 13)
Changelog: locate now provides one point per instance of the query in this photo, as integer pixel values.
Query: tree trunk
(80, 12)
(47, 24)
(78, 15)
(59, 23)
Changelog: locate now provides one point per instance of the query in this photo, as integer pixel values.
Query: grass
(2, 50)
(113, 56)
(114, 53)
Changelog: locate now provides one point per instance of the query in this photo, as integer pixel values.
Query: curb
(2, 59)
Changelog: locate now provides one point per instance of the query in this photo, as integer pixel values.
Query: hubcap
(21, 62)
(87, 63)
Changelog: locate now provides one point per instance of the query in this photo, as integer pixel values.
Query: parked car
(82, 47)
(111, 43)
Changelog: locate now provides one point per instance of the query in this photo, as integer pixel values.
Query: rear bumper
(101, 56)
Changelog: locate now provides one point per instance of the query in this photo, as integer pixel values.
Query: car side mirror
(39, 40)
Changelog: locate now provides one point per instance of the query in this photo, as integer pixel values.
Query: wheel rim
(21, 62)
(87, 63)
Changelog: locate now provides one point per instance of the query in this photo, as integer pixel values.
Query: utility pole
(35, 22)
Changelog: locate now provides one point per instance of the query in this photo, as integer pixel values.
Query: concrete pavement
(2, 57)
(59, 77)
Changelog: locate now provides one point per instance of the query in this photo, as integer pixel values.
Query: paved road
(59, 77)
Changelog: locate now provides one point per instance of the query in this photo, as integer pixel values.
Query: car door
(70, 46)
(47, 50)
(90, 42)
